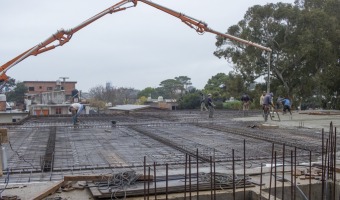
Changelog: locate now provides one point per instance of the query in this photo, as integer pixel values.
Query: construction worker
(76, 109)
(286, 105)
(203, 101)
(267, 105)
(245, 103)
(211, 106)
(262, 97)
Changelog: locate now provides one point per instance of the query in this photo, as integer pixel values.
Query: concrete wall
(12, 117)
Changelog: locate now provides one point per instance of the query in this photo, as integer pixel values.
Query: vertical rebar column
(244, 169)
(211, 179)
(145, 177)
(261, 181)
(234, 188)
(295, 154)
(331, 151)
(322, 165)
(155, 179)
(275, 174)
(283, 170)
(326, 168)
(214, 179)
(310, 175)
(149, 183)
(190, 177)
(291, 175)
(167, 180)
(197, 174)
(329, 155)
(271, 172)
(334, 172)
(185, 176)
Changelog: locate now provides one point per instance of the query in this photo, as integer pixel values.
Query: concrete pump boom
(63, 36)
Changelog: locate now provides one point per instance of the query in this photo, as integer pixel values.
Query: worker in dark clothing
(245, 103)
(203, 100)
(211, 106)
(286, 105)
(267, 104)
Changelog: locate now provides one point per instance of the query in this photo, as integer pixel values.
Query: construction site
(164, 154)
(161, 154)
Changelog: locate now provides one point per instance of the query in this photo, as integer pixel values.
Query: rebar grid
(98, 146)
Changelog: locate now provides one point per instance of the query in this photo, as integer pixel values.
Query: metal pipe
(4, 158)
(268, 85)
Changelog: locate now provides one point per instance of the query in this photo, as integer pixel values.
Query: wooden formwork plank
(49, 191)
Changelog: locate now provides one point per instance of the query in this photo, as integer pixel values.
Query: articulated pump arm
(63, 36)
(200, 26)
(58, 39)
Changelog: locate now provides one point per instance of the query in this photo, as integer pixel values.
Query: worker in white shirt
(76, 109)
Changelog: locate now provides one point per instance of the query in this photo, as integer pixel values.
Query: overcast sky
(137, 48)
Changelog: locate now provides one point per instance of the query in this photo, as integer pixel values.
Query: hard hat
(209, 94)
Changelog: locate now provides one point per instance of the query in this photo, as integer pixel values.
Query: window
(30, 88)
(40, 87)
(49, 88)
(57, 111)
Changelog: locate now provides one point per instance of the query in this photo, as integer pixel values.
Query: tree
(114, 95)
(170, 87)
(185, 81)
(99, 104)
(225, 86)
(190, 101)
(304, 39)
(147, 92)
(18, 93)
(9, 85)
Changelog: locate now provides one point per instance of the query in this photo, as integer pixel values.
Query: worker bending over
(76, 109)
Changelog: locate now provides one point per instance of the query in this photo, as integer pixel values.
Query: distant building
(166, 104)
(38, 87)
